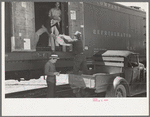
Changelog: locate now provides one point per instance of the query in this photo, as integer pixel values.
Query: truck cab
(135, 73)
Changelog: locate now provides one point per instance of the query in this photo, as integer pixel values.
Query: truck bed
(97, 81)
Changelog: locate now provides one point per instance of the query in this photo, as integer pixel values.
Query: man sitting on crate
(51, 73)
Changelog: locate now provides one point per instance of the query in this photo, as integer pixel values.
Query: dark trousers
(80, 63)
(50, 89)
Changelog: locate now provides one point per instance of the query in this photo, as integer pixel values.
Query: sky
(143, 5)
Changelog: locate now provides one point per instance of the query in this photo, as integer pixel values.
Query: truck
(104, 26)
(115, 73)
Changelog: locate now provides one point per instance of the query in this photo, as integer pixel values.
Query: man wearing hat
(51, 73)
(80, 58)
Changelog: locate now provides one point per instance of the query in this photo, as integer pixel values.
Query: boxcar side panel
(112, 28)
(75, 17)
(23, 24)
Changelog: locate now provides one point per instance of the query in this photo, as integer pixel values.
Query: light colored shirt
(55, 13)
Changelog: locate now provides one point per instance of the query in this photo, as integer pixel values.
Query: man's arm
(72, 41)
(65, 44)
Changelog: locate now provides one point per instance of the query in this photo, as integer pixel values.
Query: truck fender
(118, 80)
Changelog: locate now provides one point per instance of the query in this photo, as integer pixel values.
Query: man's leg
(84, 65)
(51, 40)
(50, 89)
(56, 32)
(58, 28)
(76, 66)
(36, 36)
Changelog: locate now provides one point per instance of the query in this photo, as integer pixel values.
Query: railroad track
(61, 91)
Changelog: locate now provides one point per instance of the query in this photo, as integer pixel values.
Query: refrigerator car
(104, 26)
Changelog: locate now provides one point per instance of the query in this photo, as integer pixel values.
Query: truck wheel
(120, 91)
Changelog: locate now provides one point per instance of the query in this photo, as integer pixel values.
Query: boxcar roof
(119, 53)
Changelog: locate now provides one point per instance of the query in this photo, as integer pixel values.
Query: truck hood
(118, 53)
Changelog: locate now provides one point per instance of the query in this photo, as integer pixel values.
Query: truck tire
(119, 91)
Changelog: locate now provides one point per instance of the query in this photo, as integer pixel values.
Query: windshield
(133, 61)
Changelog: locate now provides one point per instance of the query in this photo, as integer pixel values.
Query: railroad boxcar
(104, 25)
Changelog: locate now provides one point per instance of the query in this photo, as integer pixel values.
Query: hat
(77, 33)
(54, 56)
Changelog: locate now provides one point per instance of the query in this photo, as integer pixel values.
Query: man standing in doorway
(51, 73)
(55, 14)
